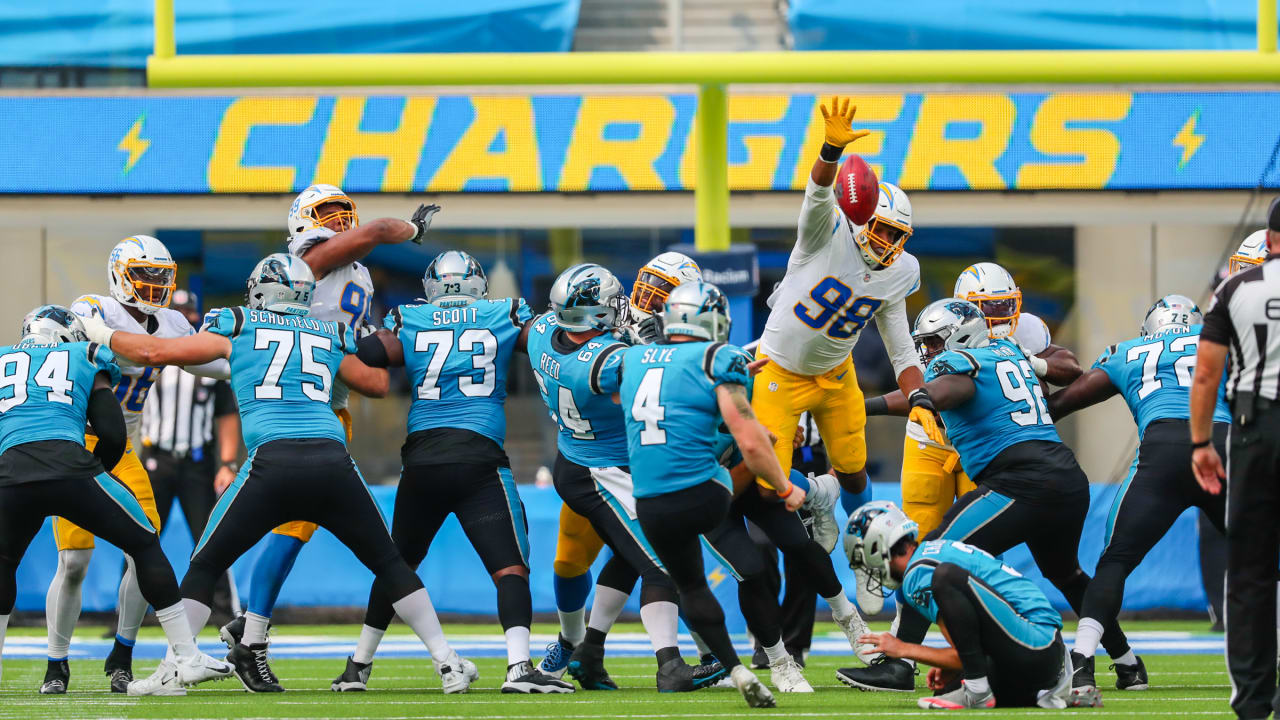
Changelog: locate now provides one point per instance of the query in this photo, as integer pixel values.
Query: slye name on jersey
(657, 355)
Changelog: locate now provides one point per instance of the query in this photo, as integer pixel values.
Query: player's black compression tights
(786, 530)
(672, 523)
(85, 502)
(756, 597)
(311, 480)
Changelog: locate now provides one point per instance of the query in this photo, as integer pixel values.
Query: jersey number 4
(647, 408)
(841, 318)
(52, 375)
(439, 343)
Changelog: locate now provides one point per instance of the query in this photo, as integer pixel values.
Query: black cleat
(1084, 689)
(586, 665)
(676, 676)
(353, 679)
(759, 660)
(1131, 677)
(120, 679)
(251, 667)
(119, 667)
(523, 678)
(57, 677)
(233, 632)
(884, 674)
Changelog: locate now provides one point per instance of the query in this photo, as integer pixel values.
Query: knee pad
(75, 565)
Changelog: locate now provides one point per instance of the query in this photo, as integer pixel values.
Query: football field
(1185, 663)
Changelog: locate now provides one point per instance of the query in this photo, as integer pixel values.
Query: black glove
(421, 219)
(648, 330)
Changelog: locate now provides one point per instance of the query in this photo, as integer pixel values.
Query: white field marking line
(735, 714)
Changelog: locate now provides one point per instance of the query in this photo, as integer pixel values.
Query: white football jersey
(345, 295)
(135, 380)
(829, 293)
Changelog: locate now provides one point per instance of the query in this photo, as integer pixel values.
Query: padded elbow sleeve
(107, 421)
(372, 352)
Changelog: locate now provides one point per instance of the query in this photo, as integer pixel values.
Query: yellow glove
(929, 422)
(838, 122)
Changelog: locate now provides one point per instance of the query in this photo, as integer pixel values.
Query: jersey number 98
(834, 312)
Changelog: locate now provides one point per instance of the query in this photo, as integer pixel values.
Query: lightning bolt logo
(1188, 140)
(134, 144)
(716, 576)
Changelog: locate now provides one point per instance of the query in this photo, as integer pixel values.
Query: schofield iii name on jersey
(299, 321)
(658, 354)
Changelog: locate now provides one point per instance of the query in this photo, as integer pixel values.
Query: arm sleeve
(1217, 321)
(219, 369)
(107, 421)
(727, 364)
(606, 371)
(819, 220)
(952, 362)
(895, 331)
(394, 321)
(372, 352)
(224, 400)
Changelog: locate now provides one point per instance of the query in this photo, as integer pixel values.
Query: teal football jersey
(45, 389)
(669, 403)
(1154, 372)
(1014, 600)
(282, 371)
(1007, 408)
(577, 383)
(457, 359)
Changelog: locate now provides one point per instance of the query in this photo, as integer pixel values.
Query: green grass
(1183, 685)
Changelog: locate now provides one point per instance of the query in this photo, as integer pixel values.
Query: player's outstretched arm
(1062, 366)
(946, 658)
(946, 392)
(368, 381)
(838, 132)
(1211, 357)
(380, 350)
(354, 244)
(107, 421)
(753, 442)
(1088, 389)
(202, 347)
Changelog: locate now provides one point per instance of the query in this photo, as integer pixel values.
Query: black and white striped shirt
(180, 410)
(1244, 315)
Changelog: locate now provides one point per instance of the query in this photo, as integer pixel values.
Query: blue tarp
(118, 33)
(327, 574)
(1023, 25)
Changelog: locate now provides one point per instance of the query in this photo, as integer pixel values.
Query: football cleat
(1131, 677)
(676, 676)
(355, 678)
(556, 661)
(120, 679)
(824, 493)
(164, 681)
(57, 677)
(523, 678)
(884, 674)
(587, 667)
(232, 634)
(708, 660)
(855, 627)
(787, 677)
(753, 691)
(456, 674)
(1084, 689)
(962, 698)
(759, 659)
(252, 668)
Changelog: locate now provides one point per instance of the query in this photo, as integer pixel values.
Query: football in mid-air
(857, 189)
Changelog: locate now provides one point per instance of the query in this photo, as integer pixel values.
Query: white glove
(97, 329)
(1039, 365)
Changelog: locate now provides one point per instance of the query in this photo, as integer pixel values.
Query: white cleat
(788, 677)
(855, 627)
(201, 668)
(753, 691)
(164, 681)
(868, 600)
(824, 493)
(456, 674)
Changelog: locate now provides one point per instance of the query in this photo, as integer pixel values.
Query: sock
(367, 645)
(840, 606)
(517, 645)
(852, 501)
(776, 652)
(606, 608)
(594, 636)
(176, 623)
(978, 686)
(62, 602)
(197, 614)
(131, 607)
(4, 627)
(800, 480)
(1126, 659)
(270, 571)
(703, 647)
(660, 621)
(417, 611)
(571, 592)
(1088, 635)
(255, 629)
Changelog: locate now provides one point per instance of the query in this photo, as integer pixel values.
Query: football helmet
(880, 241)
(993, 290)
(55, 324)
(453, 279)
(141, 274)
(1251, 252)
(697, 309)
(659, 277)
(870, 535)
(303, 217)
(1171, 310)
(281, 283)
(588, 297)
(949, 324)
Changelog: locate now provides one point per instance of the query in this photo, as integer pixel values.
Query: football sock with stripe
(571, 605)
(62, 602)
(270, 570)
(851, 501)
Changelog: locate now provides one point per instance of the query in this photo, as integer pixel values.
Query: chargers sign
(608, 143)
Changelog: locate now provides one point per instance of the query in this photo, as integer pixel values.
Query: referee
(184, 456)
(1244, 322)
